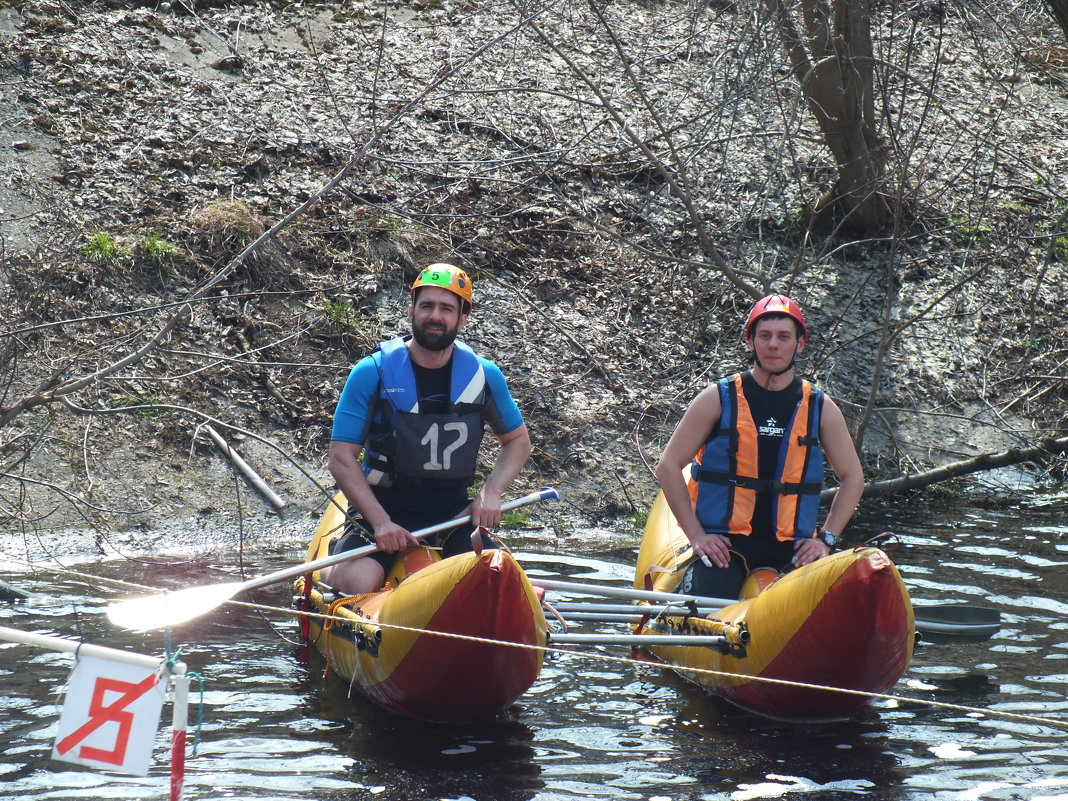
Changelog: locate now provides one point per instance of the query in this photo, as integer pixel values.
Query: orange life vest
(725, 480)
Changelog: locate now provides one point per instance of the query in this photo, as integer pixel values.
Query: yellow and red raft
(407, 646)
(844, 622)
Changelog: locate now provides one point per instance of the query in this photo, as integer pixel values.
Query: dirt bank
(146, 145)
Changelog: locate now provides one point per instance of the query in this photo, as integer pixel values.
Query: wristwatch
(830, 539)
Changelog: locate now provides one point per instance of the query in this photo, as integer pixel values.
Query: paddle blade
(167, 609)
(956, 624)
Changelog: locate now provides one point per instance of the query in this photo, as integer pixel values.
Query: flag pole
(179, 727)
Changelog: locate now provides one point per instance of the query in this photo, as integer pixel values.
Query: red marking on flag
(99, 714)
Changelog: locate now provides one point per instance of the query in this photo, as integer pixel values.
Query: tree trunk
(831, 56)
(1059, 10)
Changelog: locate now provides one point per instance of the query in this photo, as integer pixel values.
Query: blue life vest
(725, 480)
(403, 441)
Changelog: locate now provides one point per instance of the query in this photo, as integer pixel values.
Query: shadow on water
(494, 760)
(738, 755)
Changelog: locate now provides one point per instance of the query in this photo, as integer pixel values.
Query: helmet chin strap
(773, 373)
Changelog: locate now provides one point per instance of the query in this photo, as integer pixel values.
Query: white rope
(600, 656)
(663, 666)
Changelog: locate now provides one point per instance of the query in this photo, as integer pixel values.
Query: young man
(415, 410)
(752, 495)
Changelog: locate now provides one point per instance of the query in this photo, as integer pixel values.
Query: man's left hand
(485, 510)
(808, 551)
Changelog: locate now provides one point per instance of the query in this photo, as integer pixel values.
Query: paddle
(937, 624)
(714, 641)
(949, 624)
(588, 607)
(172, 607)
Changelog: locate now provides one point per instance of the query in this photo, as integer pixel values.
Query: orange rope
(545, 604)
(332, 617)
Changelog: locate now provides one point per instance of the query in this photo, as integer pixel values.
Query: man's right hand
(392, 538)
(714, 547)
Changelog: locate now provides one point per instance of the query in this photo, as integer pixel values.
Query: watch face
(828, 538)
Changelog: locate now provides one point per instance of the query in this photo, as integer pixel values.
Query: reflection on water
(273, 728)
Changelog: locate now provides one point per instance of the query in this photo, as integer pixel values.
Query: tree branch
(1046, 449)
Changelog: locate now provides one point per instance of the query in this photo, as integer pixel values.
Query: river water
(272, 728)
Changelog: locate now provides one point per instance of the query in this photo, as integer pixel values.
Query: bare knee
(355, 577)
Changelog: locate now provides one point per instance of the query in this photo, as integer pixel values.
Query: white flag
(110, 716)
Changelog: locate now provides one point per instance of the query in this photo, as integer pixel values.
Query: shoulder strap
(815, 409)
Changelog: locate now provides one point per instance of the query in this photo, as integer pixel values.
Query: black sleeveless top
(771, 411)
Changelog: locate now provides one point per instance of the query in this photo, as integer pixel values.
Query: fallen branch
(326, 493)
(54, 390)
(252, 476)
(984, 461)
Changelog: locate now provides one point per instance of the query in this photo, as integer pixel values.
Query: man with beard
(415, 410)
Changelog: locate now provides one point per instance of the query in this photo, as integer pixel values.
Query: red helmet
(776, 304)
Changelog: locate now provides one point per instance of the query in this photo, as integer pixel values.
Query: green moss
(158, 250)
(340, 313)
(514, 519)
(103, 248)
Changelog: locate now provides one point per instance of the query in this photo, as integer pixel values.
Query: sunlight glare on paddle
(170, 608)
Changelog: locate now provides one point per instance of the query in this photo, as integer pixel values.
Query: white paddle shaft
(169, 608)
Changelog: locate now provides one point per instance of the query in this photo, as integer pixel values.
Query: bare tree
(830, 47)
